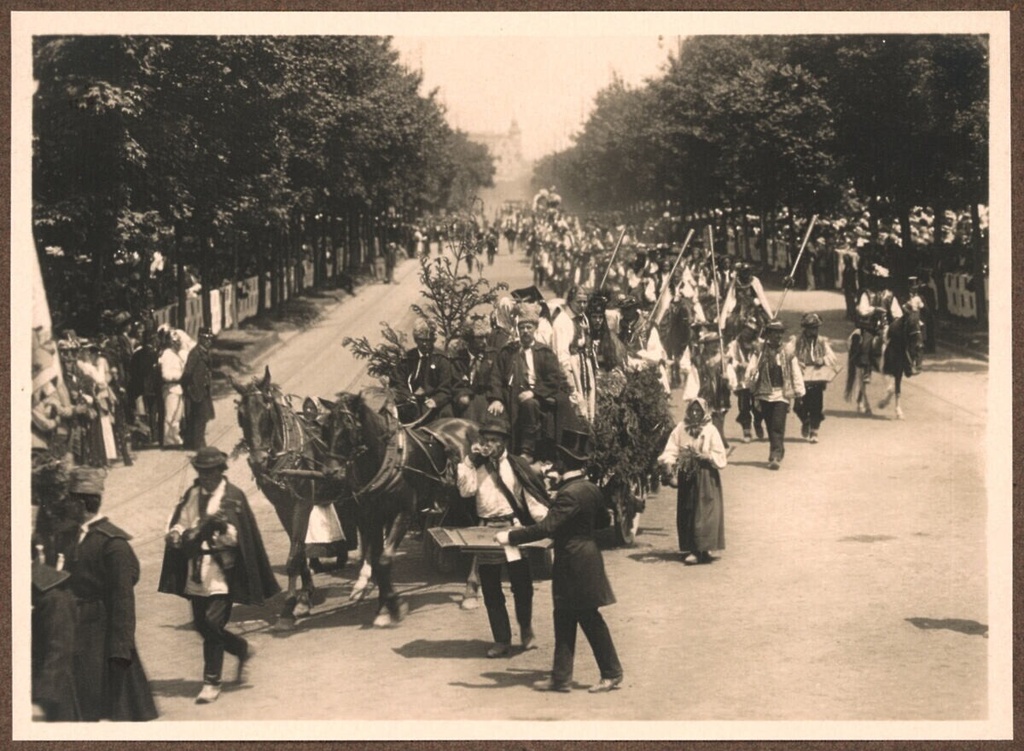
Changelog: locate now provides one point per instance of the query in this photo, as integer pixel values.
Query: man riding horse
(744, 299)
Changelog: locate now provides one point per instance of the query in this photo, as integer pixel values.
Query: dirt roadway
(853, 586)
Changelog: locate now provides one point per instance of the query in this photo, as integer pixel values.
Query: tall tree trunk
(261, 272)
(937, 256)
(179, 263)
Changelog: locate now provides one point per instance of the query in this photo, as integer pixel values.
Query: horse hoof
(899, 414)
(401, 611)
(383, 620)
(469, 603)
(283, 624)
(302, 610)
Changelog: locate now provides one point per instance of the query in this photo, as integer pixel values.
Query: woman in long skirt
(691, 460)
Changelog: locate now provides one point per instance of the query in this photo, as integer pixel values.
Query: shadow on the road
(960, 625)
(505, 679)
(341, 611)
(762, 465)
(445, 648)
(955, 365)
(853, 413)
(657, 556)
(867, 538)
(175, 687)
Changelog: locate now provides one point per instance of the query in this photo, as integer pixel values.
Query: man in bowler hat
(579, 584)
(214, 557)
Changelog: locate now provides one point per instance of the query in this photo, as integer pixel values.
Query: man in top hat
(508, 494)
(817, 365)
(214, 557)
(579, 585)
(197, 383)
(532, 388)
(775, 379)
(423, 379)
(110, 681)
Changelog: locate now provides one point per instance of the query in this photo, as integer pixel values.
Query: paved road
(853, 586)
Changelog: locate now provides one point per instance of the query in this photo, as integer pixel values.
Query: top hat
(205, 332)
(575, 445)
(527, 294)
(210, 457)
(496, 425)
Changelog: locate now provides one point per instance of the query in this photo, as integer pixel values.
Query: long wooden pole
(679, 258)
(718, 306)
(612, 259)
(791, 279)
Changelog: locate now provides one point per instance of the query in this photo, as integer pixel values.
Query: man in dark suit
(214, 557)
(535, 392)
(472, 373)
(579, 584)
(423, 379)
(197, 381)
(109, 678)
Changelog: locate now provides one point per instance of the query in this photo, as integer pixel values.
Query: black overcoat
(250, 580)
(197, 381)
(109, 678)
(578, 579)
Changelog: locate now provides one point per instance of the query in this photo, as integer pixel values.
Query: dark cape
(53, 644)
(250, 579)
(110, 681)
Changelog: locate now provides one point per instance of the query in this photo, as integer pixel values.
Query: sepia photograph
(590, 375)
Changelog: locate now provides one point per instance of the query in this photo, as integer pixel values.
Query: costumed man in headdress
(738, 356)
(642, 340)
(691, 460)
(574, 347)
(817, 363)
(775, 379)
(533, 388)
(214, 557)
(110, 682)
(877, 307)
(579, 584)
(508, 494)
(423, 381)
(715, 387)
(745, 298)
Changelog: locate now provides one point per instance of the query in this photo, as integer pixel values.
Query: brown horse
(393, 472)
(293, 470)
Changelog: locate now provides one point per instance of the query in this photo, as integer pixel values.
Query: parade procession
(341, 413)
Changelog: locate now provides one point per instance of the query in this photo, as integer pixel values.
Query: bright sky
(547, 83)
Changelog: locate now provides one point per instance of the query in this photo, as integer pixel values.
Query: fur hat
(775, 325)
(810, 319)
(478, 327)
(423, 329)
(529, 312)
(87, 481)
